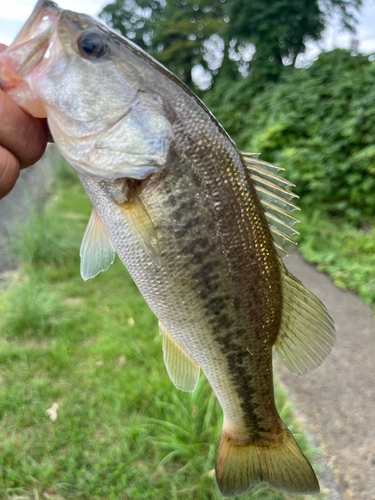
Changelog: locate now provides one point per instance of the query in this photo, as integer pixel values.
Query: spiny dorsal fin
(307, 333)
(275, 199)
(182, 371)
(96, 251)
(141, 224)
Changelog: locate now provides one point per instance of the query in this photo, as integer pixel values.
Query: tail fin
(281, 465)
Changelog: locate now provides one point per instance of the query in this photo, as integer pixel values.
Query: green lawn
(344, 252)
(122, 430)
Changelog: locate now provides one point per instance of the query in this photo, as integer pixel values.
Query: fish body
(175, 199)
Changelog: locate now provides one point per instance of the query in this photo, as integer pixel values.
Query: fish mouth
(29, 54)
(44, 15)
(30, 45)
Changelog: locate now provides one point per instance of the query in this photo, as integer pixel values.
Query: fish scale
(230, 339)
(179, 318)
(198, 224)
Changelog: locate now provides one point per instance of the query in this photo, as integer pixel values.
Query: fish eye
(92, 45)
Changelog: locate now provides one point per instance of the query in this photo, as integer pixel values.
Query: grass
(122, 430)
(344, 252)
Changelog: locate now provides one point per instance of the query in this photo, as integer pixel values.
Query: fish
(199, 225)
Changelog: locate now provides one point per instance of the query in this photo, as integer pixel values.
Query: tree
(135, 19)
(179, 40)
(279, 29)
(174, 32)
(182, 33)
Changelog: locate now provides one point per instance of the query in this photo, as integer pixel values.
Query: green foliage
(63, 174)
(135, 19)
(318, 124)
(122, 429)
(48, 237)
(175, 31)
(179, 40)
(30, 309)
(213, 34)
(279, 29)
(43, 240)
(345, 253)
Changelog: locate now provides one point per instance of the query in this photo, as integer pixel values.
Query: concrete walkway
(338, 399)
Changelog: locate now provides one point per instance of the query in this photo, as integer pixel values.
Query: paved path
(338, 399)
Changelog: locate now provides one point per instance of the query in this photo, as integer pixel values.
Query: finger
(45, 124)
(9, 171)
(21, 133)
(43, 120)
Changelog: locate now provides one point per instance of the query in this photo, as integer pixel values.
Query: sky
(13, 14)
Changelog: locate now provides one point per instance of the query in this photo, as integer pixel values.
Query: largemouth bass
(199, 225)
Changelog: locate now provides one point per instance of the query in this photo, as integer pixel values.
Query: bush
(317, 123)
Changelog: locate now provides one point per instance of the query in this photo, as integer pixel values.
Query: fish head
(90, 83)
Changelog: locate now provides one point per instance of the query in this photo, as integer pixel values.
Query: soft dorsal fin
(96, 251)
(275, 199)
(182, 371)
(141, 225)
(307, 333)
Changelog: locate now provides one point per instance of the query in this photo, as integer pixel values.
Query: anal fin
(96, 251)
(307, 333)
(182, 371)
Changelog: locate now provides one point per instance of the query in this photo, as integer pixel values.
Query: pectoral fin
(141, 224)
(182, 371)
(307, 333)
(96, 251)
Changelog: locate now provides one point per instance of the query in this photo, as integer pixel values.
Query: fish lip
(31, 43)
(44, 10)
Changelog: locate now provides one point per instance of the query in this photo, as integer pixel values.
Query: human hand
(23, 140)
